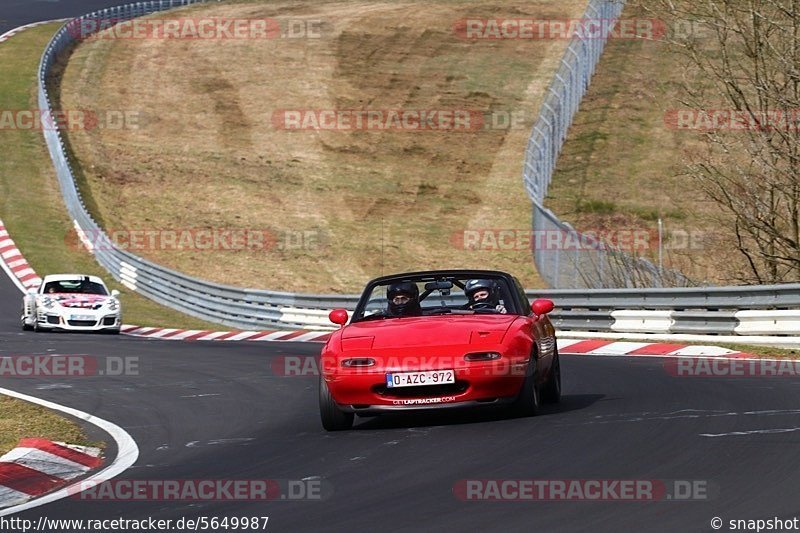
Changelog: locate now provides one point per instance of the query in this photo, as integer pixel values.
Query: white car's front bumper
(79, 319)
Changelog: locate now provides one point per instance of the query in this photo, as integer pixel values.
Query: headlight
(358, 361)
(482, 356)
(113, 304)
(48, 302)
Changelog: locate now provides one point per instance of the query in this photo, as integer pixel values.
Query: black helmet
(406, 288)
(475, 285)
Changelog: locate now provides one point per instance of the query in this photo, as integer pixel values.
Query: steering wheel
(483, 305)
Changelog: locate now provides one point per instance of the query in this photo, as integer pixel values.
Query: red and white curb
(38, 466)
(611, 348)
(14, 264)
(127, 453)
(595, 347)
(207, 335)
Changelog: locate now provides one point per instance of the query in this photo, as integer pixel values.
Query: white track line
(127, 453)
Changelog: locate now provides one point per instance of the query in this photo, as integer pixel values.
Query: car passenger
(483, 294)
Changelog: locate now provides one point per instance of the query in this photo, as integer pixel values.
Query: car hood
(79, 301)
(426, 331)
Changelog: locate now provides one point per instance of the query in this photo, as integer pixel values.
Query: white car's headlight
(48, 302)
(113, 304)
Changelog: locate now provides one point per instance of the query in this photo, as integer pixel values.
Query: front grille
(109, 321)
(52, 320)
(424, 391)
(82, 323)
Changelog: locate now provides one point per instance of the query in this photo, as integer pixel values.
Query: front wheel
(551, 393)
(528, 402)
(25, 325)
(333, 418)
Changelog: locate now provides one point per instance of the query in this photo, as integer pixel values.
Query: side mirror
(338, 316)
(542, 306)
(115, 293)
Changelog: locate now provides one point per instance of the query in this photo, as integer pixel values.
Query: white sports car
(72, 302)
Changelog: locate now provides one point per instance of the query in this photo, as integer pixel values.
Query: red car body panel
(433, 343)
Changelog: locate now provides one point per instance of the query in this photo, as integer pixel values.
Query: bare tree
(744, 56)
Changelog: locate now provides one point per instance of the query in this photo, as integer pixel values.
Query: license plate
(81, 317)
(417, 379)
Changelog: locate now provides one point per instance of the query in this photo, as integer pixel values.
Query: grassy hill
(340, 206)
(624, 163)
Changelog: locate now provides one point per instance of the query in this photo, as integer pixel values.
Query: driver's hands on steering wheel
(486, 305)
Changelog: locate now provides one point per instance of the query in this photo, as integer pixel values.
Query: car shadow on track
(447, 417)
(43, 334)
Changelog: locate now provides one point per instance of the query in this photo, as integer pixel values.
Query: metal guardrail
(753, 310)
(719, 308)
(786, 296)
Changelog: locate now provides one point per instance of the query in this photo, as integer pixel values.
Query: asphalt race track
(220, 411)
(14, 13)
(207, 410)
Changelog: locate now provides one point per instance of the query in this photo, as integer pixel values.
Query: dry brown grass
(622, 167)
(20, 419)
(28, 185)
(207, 156)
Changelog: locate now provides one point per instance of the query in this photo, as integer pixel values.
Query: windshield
(76, 286)
(437, 295)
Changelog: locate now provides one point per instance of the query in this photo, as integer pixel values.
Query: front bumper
(369, 410)
(475, 384)
(90, 321)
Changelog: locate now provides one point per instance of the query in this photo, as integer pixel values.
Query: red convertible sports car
(435, 340)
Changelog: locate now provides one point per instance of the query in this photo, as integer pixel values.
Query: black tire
(333, 418)
(551, 392)
(528, 401)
